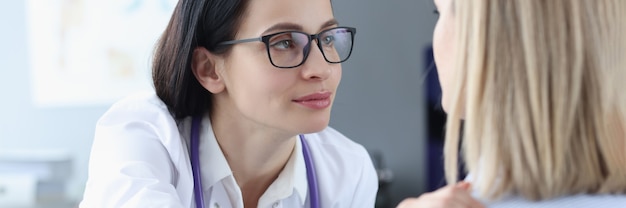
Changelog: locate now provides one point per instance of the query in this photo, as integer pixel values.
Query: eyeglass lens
(290, 49)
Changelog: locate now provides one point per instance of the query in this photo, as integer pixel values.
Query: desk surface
(48, 205)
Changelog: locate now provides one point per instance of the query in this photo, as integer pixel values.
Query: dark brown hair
(194, 23)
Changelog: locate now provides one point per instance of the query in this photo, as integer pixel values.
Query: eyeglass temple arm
(231, 42)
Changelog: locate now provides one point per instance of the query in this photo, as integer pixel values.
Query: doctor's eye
(282, 41)
(283, 44)
(328, 40)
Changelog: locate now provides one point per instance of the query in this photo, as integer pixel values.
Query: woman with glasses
(539, 85)
(240, 116)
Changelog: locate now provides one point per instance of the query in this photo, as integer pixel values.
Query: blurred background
(64, 62)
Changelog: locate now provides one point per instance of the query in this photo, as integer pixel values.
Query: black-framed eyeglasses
(290, 49)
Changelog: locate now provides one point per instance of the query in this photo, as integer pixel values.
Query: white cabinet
(34, 178)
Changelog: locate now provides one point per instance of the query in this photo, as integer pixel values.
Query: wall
(379, 103)
(381, 98)
(24, 126)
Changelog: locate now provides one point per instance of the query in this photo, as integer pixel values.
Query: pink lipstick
(317, 101)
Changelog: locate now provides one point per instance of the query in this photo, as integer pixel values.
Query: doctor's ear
(206, 68)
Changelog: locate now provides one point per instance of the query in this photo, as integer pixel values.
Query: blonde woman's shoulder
(574, 201)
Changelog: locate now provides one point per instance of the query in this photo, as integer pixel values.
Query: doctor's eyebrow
(329, 23)
(297, 27)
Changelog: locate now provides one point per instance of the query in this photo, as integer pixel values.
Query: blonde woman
(540, 85)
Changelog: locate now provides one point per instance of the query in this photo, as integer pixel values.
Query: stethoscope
(195, 167)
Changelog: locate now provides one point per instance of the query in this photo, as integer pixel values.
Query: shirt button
(276, 204)
(216, 205)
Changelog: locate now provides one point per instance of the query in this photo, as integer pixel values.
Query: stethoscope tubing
(195, 161)
(310, 174)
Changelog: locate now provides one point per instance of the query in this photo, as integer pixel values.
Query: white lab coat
(140, 158)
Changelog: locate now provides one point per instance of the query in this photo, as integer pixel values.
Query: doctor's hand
(451, 196)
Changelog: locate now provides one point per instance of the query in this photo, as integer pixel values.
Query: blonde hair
(540, 87)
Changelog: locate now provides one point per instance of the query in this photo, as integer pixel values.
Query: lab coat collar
(300, 178)
(214, 168)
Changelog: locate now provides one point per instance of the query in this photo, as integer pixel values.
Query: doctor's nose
(316, 67)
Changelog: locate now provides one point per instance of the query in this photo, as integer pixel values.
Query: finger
(464, 185)
(432, 201)
(464, 197)
(449, 197)
(415, 202)
(442, 198)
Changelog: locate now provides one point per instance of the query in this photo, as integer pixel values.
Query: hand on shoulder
(451, 196)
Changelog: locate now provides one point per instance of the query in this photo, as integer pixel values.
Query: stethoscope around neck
(195, 167)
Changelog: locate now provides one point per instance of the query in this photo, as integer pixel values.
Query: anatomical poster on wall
(92, 52)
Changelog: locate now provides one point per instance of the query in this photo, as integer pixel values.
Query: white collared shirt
(221, 189)
(140, 158)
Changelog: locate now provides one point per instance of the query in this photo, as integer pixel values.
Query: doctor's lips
(318, 100)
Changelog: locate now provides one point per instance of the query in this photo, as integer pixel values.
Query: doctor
(240, 117)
